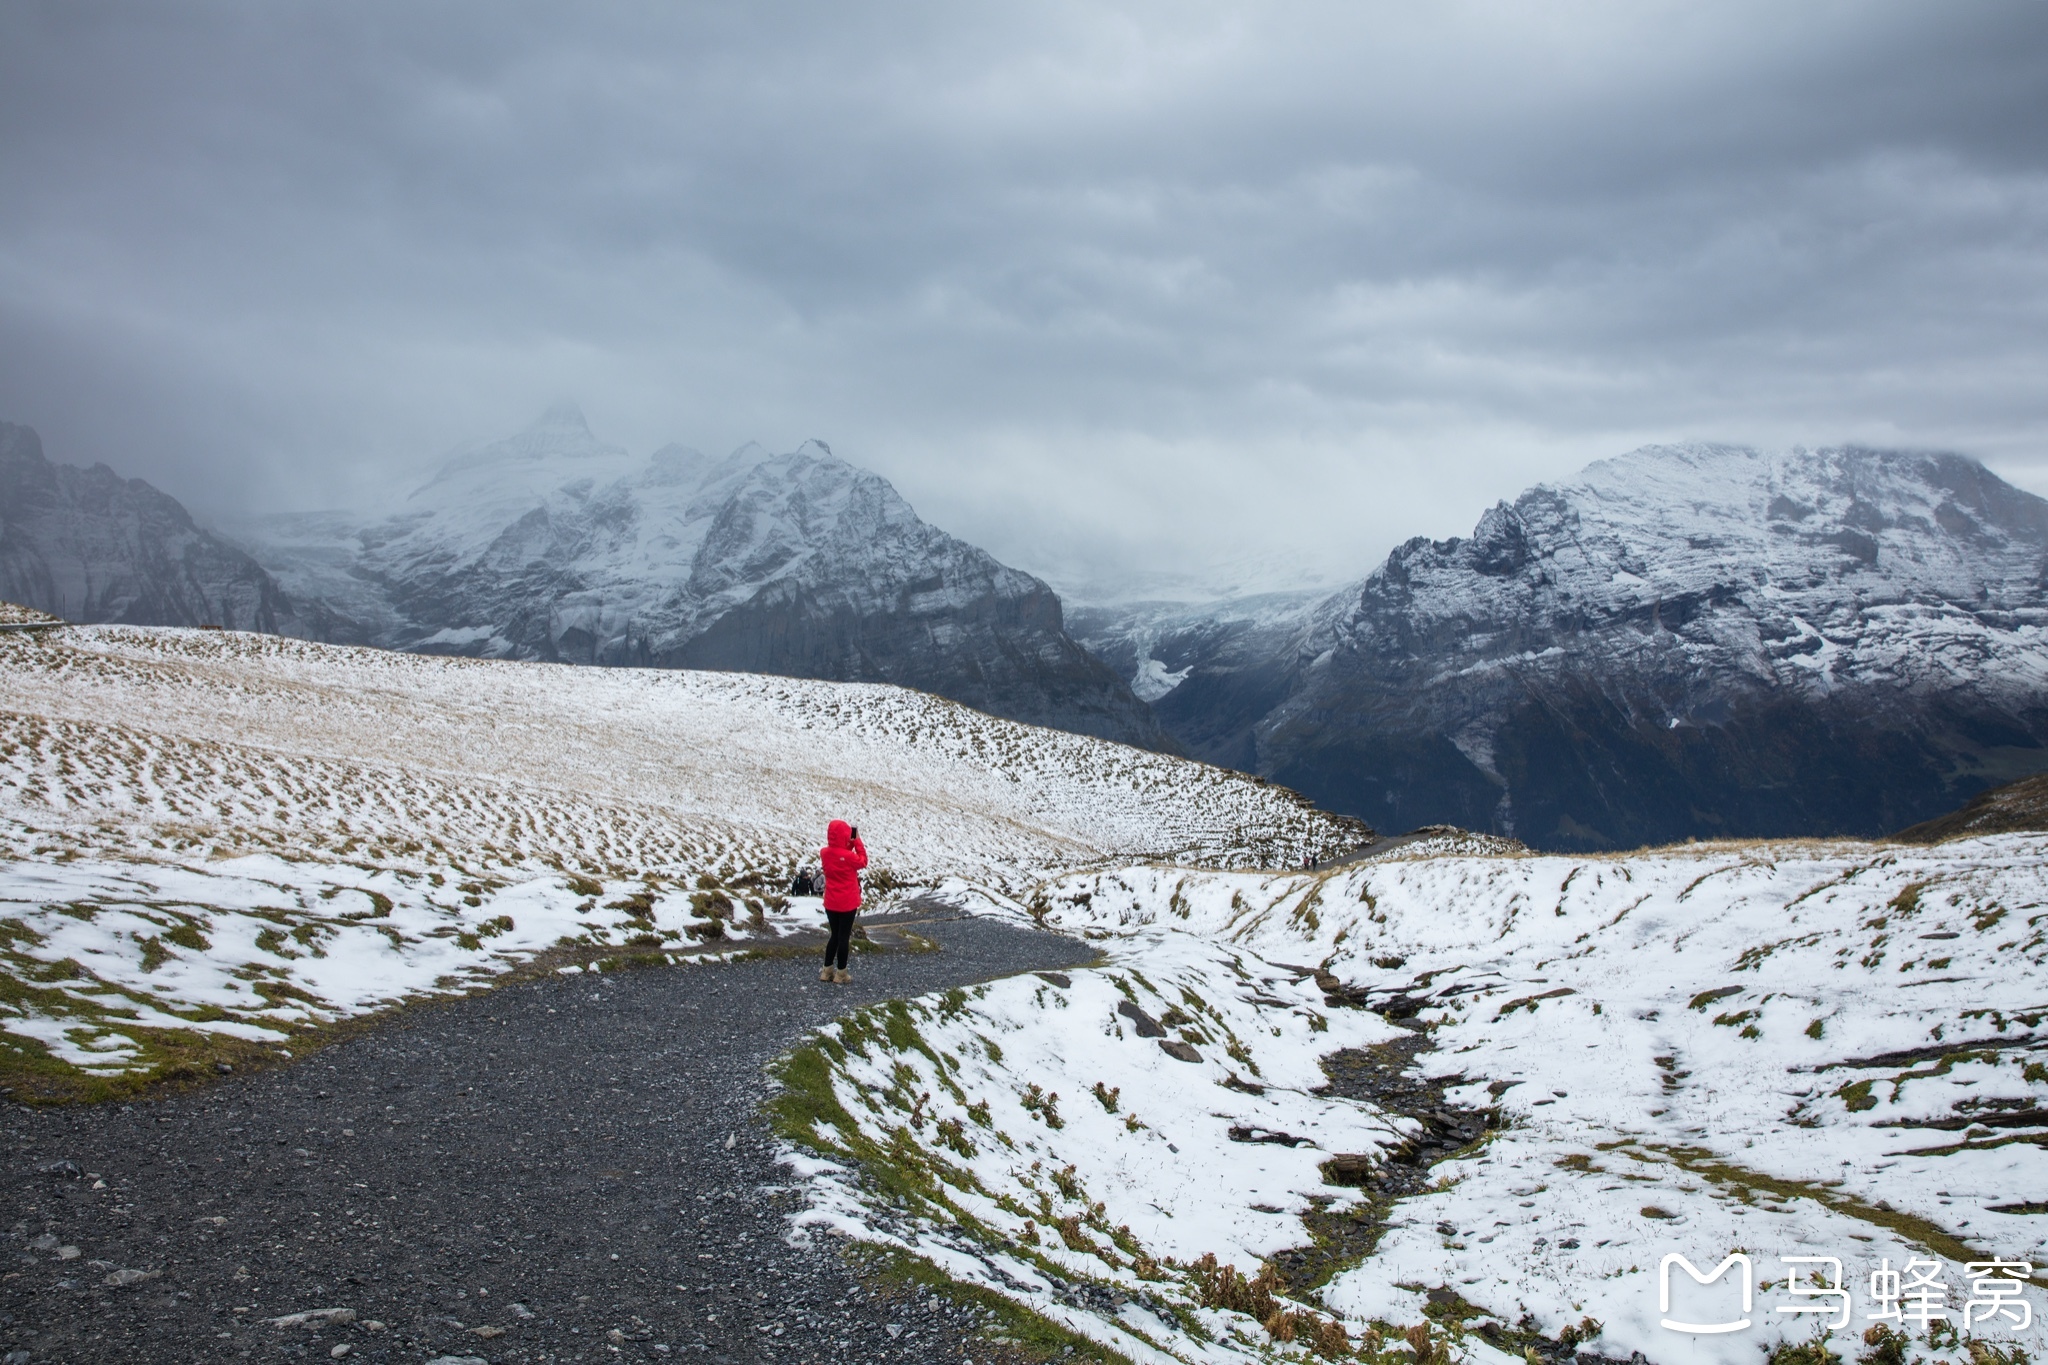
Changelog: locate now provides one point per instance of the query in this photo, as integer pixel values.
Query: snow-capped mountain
(554, 545)
(1688, 640)
(89, 545)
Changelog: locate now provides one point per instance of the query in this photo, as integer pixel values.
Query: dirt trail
(559, 1170)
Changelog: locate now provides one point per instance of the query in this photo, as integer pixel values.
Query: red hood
(839, 834)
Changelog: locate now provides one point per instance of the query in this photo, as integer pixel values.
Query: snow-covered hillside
(1451, 1102)
(1687, 640)
(551, 544)
(232, 834)
(1783, 1050)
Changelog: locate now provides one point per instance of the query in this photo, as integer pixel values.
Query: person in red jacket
(842, 857)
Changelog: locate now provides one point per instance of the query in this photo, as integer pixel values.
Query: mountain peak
(815, 448)
(89, 545)
(560, 433)
(564, 418)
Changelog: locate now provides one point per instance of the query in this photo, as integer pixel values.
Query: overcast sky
(1099, 285)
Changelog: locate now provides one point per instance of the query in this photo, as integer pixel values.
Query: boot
(825, 972)
(839, 975)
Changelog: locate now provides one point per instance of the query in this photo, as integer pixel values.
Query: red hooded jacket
(843, 857)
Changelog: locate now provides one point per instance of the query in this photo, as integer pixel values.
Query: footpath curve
(570, 1169)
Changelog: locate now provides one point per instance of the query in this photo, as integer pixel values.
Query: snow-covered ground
(210, 835)
(1832, 1050)
(103, 956)
(1780, 1050)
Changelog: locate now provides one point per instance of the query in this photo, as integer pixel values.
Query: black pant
(842, 937)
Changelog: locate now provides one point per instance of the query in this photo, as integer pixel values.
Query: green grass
(896, 1275)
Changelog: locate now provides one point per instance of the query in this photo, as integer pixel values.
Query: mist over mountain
(554, 545)
(1685, 641)
(89, 545)
(1688, 640)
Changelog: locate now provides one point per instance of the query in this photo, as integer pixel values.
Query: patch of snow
(1154, 680)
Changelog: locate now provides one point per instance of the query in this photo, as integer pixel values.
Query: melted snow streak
(234, 835)
(1833, 1050)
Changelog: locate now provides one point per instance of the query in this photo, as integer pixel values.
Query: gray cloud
(1097, 285)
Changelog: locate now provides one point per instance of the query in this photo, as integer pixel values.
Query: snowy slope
(553, 545)
(1789, 1049)
(1054, 1146)
(1687, 640)
(395, 821)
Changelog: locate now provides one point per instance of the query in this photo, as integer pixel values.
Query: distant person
(842, 857)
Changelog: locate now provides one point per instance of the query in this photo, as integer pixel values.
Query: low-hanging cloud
(1098, 285)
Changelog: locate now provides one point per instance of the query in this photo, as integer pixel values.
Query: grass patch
(1451, 1311)
(894, 1275)
(185, 934)
(174, 1060)
(1746, 1185)
(1812, 1352)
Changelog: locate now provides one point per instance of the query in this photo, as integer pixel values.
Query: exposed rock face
(1210, 670)
(553, 545)
(89, 545)
(1698, 640)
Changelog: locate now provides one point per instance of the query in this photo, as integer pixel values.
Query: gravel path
(568, 1169)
